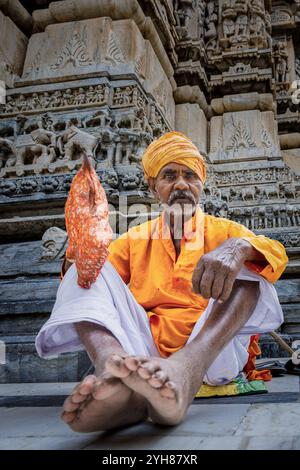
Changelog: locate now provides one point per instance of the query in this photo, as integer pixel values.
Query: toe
(147, 369)
(69, 405)
(78, 398)
(68, 417)
(169, 390)
(86, 386)
(133, 362)
(105, 388)
(158, 379)
(116, 366)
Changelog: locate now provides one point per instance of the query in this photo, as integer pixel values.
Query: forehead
(174, 167)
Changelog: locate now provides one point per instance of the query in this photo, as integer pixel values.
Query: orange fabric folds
(145, 258)
(89, 232)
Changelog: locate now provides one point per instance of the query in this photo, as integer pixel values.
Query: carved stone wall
(108, 77)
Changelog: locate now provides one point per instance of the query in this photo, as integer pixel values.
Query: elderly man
(174, 306)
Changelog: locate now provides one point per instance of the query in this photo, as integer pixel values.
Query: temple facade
(106, 77)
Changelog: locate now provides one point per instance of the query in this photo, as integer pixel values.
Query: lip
(182, 199)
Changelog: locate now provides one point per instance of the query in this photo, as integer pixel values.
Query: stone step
(283, 389)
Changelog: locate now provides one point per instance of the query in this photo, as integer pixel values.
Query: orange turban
(173, 147)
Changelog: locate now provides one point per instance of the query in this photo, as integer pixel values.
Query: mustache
(181, 195)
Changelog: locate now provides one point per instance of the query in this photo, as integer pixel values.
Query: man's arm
(217, 270)
(273, 255)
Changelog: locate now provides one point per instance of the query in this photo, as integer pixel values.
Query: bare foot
(102, 403)
(165, 383)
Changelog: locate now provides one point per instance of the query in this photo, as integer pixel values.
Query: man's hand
(216, 271)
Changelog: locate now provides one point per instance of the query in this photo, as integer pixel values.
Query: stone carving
(240, 137)
(130, 181)
(257, 29)
(34, 67)
(75, 51)
(244, 24)
(265, 138)
(281, 15)
(7, 153)
(228, 27)
(241, 26)
(211, 20)
(54, 244)
(68, 98)
(184, 10)
(290, 189)
(125, 96)
(256, 217)
(281, 62)
(252, 176)
(74, 142)
(115, 55)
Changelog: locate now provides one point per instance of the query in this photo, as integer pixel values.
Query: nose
(181, 184)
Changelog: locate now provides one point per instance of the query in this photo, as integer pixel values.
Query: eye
(169, 176)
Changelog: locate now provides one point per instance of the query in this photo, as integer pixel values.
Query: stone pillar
(191, 120)
(13, 50)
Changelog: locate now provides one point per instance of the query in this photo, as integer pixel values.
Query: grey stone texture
(208, 426)
(106, 78)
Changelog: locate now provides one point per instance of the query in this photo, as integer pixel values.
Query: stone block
(13, 48)
(271, 420)
(292, 159)
(243, 135)
(24, 365)
(18, 14)
(191, 120)
(84, 47)
(243, 102)
(158, 85)
(288, 290)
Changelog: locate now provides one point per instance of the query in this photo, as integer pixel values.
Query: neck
(176, 223)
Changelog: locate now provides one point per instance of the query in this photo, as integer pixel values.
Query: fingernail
(220, 301)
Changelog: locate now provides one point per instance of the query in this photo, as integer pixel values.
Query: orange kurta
(162, 284)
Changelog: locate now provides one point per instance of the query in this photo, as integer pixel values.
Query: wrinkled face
(177, 185)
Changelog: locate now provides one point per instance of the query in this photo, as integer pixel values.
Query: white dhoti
(110, 303)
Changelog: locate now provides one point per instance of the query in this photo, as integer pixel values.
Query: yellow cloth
(173, 147)
(162, 284)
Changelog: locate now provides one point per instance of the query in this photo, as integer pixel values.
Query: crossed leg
(169, 385)
(128, 389)
(102, 401)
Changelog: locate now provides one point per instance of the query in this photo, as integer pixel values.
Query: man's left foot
(163, 382)
(102, 403)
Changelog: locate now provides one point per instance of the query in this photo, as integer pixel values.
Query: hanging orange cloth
(89, 232)
(249, 369)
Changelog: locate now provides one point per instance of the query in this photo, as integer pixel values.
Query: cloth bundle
(89, 232)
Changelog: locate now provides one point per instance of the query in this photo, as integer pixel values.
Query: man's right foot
(166, 384)
(102, 403)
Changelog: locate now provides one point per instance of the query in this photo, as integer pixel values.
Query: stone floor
(210, 425)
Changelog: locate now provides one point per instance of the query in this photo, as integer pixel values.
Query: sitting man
(174, 306)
